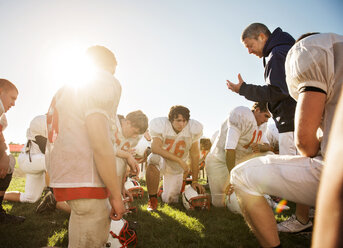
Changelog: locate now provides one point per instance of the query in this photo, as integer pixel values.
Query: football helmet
(134, 188)
(192, 200)
(121, 235)
(231, 203)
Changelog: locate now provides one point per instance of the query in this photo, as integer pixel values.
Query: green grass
(170, 226)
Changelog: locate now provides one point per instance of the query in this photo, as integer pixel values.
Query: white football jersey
(37, 127)
(272, 135)
(120, 141)
(176, 143)
(237, 132)
(69, 154)
(316, 62)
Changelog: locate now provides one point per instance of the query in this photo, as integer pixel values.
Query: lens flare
(282, 205)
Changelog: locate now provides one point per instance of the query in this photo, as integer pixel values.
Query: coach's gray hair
(253, 31)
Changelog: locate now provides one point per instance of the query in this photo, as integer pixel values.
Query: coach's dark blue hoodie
(280, 103)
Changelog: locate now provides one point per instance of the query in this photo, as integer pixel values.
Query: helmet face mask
(121, 235)
(192, 200)
(134, 188)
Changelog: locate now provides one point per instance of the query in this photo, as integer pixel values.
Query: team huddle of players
(85, 137)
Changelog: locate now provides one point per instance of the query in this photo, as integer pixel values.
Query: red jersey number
(258, 139)
(179, 147)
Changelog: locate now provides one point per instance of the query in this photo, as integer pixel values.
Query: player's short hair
(138, 120)
(102, 57)
(253, 31)
(205, 143)
(261, 105)
(303, 36)
(7, 85)
(177, 110)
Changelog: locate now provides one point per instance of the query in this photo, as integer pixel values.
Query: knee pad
(5, 182)
(155, 160)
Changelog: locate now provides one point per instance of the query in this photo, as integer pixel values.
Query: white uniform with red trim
(237, 132)
(69, 153)
(125, 144)
(178, 144)
(32, 161)
(316, 62)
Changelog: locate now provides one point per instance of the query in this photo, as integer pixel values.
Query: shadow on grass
(38, 230)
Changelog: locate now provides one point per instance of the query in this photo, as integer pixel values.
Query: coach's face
(255, 46)
(8, 98)
(179, 123)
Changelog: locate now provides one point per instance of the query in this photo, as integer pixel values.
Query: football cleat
(134, 188)
(121, 235)
(192, 200)
(152, 204)
(232, 203)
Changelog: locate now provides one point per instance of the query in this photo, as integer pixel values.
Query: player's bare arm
(194, 153)
(131, 161)
(105, 160)
(235, 87)
(308, 116)
(157, 148)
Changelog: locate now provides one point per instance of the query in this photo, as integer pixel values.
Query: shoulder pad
(196, 129)
(157, 126)
(38, 126)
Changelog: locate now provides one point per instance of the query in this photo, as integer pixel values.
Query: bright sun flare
(72, 67)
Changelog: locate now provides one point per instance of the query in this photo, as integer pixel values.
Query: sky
(177, 52)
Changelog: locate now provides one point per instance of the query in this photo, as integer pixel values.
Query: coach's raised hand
(235, 87)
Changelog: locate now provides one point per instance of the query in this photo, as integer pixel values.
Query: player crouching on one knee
(174, 140)
(129, 131)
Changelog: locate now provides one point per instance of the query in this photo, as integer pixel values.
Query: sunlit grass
(58, 237)
(17, 184)
(190, 222)
(171, 226)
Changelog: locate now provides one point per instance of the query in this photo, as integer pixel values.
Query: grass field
(170, 226)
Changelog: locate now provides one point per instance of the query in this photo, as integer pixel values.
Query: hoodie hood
(277, 38)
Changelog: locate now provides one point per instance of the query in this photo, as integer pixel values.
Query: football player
(242, 136)
(174, 140)
(8, 96)
(128, 132)
(32, 161)
(314, 78)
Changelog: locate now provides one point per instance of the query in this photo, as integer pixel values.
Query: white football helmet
(232, 203)
(192, 200)
(134, 188)
(121, 235)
